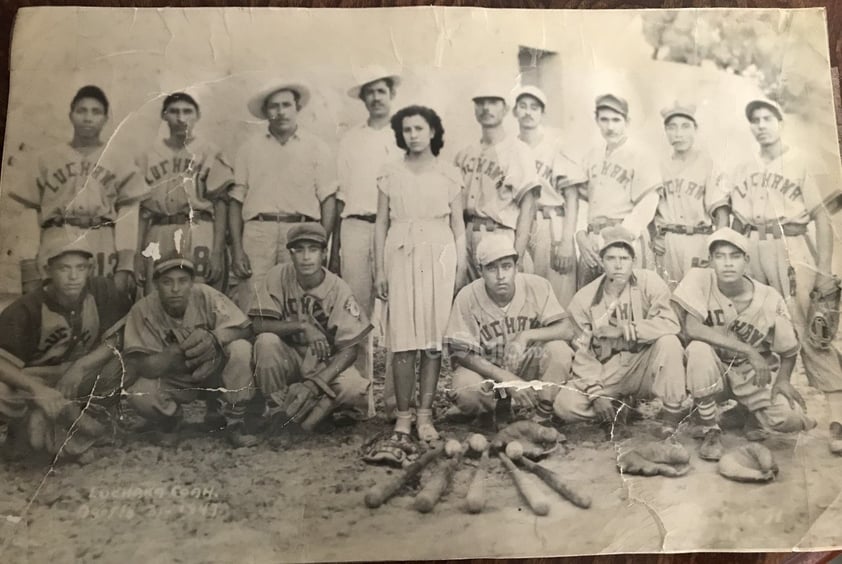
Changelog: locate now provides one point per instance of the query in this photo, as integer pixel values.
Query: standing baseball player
(739, 333)
(551, 243)
(188, 180)
(693, 199)
(775, 195)
(81, 189)
(57, 354)
(500, 185)
(622, 183)
(184, 338)
(627, 342)
(506, 330)
(308, 325)
(283, 176)
(363, 152)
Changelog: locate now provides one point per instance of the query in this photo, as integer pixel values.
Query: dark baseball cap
(613, 102)
(310, 231)
(171, 261)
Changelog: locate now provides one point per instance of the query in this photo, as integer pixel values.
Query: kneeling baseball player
(58, 355)
(308, 326)
(507, 328)
(741, 339)
(185, 340)
(627, 344)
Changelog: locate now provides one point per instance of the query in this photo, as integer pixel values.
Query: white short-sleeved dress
(420, 253)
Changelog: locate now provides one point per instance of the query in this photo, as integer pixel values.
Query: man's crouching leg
(351, 395)
(471, 394)
(782, 417)
(704, 380)
(669, 380)
(238, 391)
(555, 363)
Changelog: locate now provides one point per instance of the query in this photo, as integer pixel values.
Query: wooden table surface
(834, 19)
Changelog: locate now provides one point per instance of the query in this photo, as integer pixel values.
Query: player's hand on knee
(216, 266)
(788, 391)
(604, 409)
(524, 398)
(240, 264)
(125, 282)
(50, 400)
(762, 374)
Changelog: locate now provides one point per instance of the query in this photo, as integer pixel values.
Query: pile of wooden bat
(476, 446)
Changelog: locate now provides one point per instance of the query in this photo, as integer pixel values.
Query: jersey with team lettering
(150, 329)
(39, 331)
(480, 326)
(691, 191)
(765, 324)
(784, 189)
(73, 183)
(496, 178)
(618, 178)
(186, 178)
(556, 170)
(330, 306)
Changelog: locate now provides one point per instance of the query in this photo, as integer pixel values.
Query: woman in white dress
(418, 230)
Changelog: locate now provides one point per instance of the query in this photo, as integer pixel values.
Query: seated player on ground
(507, 327)
(308, 325)
(627, 344)
(183, 341)
(741, 340)
(57, 355)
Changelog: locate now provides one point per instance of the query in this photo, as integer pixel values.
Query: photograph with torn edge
(318, 285)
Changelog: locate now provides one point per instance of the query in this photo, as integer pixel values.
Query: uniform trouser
(100, 240)
(277, 365)
(708, 377)
(357, 255)
(194, 240)
(265, 243)
(161, 398)
(545, 232)
(100, 386)
(656, 371)
(682, 252)
(472, 239)
(549, 362)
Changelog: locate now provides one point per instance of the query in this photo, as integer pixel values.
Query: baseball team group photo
(578, 298)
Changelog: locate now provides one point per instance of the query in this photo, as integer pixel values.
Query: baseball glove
(823, 314)
(651, 459)
(537, 440)
(749, 463)
(203, 353)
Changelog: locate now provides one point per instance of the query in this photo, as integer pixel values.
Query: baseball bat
(379, 493)
(536, 501)
(555, 482)
(475, 500)
(432, 490)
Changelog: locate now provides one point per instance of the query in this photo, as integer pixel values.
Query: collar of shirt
(49, 298)
(296, 136)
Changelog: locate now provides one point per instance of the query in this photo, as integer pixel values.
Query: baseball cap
(371, 74)
(773, 106)
(613, 102)
(59, 242)
(255, 104)
(678, 109)
(533, 91)
(728, 235)
(170, 261)
(617, 235)
(491, 89)
(310, 231)
(494, 246)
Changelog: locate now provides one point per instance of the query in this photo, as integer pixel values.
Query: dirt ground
(300, 498)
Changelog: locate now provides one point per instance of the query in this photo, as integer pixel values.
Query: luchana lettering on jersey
(499, 328)
(176, 165)
(309, 306)
(684, 186)
(485, 166)
(74, 169)
(743, 330)
(769, 181)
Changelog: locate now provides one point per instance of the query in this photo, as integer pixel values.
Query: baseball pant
(100, 240)
(787, 264)
(708, 377)
(549, 362)
(265, 243)
(657, 371)
(193, 240)
(682, 252)
(277, 365)
(643, 258)
(472, 239)
(546, 231)
(161, 399)
(357, 256)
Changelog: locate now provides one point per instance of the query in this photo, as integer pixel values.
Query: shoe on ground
(836, 438)
(711, 448)
(239, 437)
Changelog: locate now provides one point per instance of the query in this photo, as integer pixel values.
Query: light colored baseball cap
(173, 260)
(679, 109)
(310, 231)
(533, 91)
(773, 106)
(616, 235)
(255, 104)
(728, 235)
(612, 102)
(59, 242)
(371, 74)
(494, 246)
(491, 89)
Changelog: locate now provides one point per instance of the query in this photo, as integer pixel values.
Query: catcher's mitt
(749, 463)
(203, 353)
(823, 315)
(651, 459)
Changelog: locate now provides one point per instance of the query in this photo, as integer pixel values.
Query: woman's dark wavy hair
(432, 119)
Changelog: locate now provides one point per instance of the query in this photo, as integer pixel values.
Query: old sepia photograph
(315, 285)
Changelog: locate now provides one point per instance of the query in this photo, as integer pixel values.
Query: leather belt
(685, 229)
(283, 217)
(477, 223)
(548, 212)
(181, 218)
(773, 229)
(368, 217)
(81, 222)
